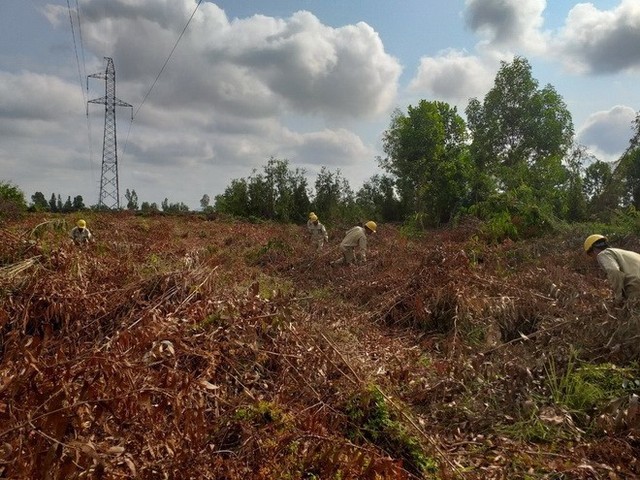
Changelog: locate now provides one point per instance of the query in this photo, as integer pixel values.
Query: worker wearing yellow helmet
(622, 267)
(317, 230)
(309, 221)
(80, 234)
(354, 244)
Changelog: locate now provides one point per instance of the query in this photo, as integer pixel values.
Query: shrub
(12, 201)
(515, 215)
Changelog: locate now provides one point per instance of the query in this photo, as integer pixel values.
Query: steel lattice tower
(109, 188)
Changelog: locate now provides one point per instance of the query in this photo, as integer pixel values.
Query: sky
(218, 88)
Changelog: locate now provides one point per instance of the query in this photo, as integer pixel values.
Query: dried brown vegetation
(182, 348)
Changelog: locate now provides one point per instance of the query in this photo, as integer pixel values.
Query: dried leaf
(208, 385)
(131, 466)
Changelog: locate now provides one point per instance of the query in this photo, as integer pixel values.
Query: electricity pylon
(109, 188)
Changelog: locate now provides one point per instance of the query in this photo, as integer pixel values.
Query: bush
(514, 215)
(12, 201)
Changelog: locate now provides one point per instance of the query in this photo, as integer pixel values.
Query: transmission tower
(109, 189)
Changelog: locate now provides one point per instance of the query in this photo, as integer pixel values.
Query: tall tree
(377, 198)
(576, 199)
(39, 201)
(426, 153)
(53, 205)
(282, 182)
(67, 206)
(205, 201)
(521, 133)
(333, 195)
(596, 177)
(132, 199)
(635, 139)
(235, 199)
(630, 166)
(78, 203)
(277, 193)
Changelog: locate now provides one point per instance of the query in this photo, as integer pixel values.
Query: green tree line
(513, 163)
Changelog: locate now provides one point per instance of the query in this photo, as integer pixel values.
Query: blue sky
(312, 81)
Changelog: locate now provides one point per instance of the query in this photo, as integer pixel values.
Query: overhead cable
(168, 58)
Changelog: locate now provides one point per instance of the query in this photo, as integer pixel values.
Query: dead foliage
(175, 347)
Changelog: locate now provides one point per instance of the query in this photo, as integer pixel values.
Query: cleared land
(176, 347)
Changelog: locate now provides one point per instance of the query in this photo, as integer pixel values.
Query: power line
(81, 74)
(168, 58)
(84, 63)
(158, 76)
(75, 48)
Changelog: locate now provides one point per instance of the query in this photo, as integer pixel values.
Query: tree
(276, 193)
(632, 160)
(377, 199)
(59, 204)
(428, 157)
(12, 201)
(635, 139)
(235, 199)
(179, 207)
(68, 206)
(205, 201)
(78, 203)
(147, 207)
(284, 185)
(132, 199)
(39, 202)
(260, 193)
(334, 197)
(576, 199)
(53, 205)
(521, 134)
(596, 177)
(301, 200)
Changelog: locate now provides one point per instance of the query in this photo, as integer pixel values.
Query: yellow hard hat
(313, 217)
(81, 223)
(591, 239)
(371, 225)
(311, 214)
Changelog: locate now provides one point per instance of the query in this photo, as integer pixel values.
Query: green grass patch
(371, 420)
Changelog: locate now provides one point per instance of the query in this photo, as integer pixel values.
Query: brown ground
(179, 348)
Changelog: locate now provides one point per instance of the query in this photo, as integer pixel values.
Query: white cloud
(254, 66)
(220, 108)
(332, 148)
(602, 41)
(608, 133)
(454, 77)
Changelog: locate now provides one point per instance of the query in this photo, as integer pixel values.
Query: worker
(80, 233)
(354, 244)
(318, 231)
(309, 221)
(622, 268)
